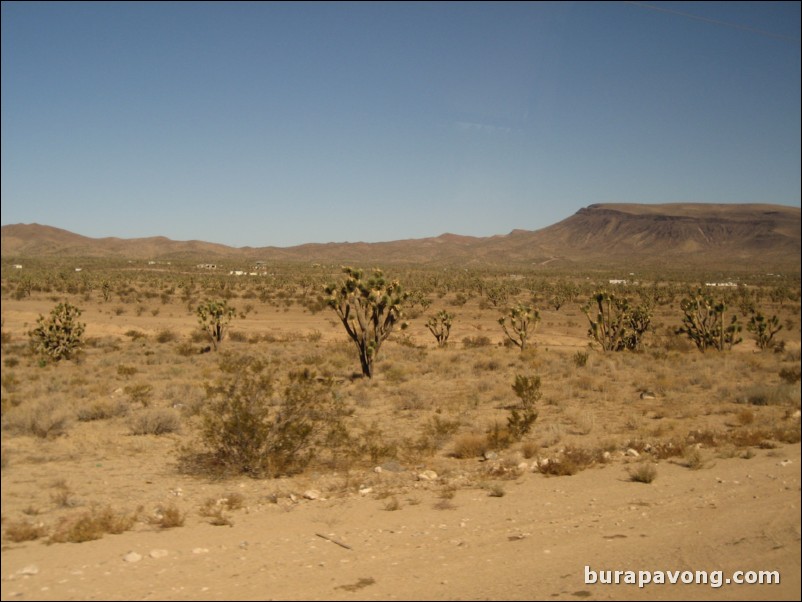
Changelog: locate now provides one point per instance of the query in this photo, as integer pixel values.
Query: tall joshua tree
(369, 309)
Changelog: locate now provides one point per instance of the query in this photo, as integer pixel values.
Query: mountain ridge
(764, 236)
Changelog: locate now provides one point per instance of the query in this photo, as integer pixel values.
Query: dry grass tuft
(91, 525)
(159, 421)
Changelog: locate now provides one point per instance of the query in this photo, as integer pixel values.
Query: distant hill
(746, 237)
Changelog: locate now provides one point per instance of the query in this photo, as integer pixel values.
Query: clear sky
(283, 123)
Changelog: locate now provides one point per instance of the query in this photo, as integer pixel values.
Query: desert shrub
(186, 349)
(199, 336)
(24, 530)
(693, 458)
(101, 410)
(791, 374)
(126, 371)
(644, 472)
(158, 421)
(63, 495)
(168, 517)
(45, 419)
(490, 365)
(529, 449)
(214, 510)
(767, 395)
(139, 393)
(571, 461)
(580, 359)
(372, 443)
(166, 336)
(91, 525)
(496, 490)
(521, 419)
(136, 335)
(475, 342)
(238, 336)
(10, 382)
(233, 501)
(470, 445)
(60, 336)
(245, 430)
(499, 437)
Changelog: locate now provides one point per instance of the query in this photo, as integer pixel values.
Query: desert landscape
(546, 408)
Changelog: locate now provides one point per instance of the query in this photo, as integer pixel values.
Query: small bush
(470, 445)
(101, 410)
(24, 530)
(45, 419)
(214, 510)
(139, 393)
(693, 458)
(521, 419)
(392, 504)
(238, 336)
(529, 449)
(580, 359)
(645, 472)
(169, 517)
(233, 501)
(186, 349)
(496, 490)
(126, 371)
(159, 421)
(791, 375)
(166, 336)
(246, 431)
(768, 395)
(476, 342)
(572, 461)
(91, 525)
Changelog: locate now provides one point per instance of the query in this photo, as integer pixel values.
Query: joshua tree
(521, 318)
(369, 310)
(703, 322)
(764, 329)
(440, 326)
(214, 317)
(616, 325)
(60, 335)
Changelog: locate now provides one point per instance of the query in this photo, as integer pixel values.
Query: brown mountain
(746, 237)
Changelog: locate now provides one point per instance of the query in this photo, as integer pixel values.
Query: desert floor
(421, 522)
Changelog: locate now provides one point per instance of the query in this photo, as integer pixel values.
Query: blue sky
(283, 123)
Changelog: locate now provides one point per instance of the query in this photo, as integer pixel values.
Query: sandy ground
(532, 543)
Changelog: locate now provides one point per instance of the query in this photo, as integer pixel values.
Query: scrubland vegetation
(303, 376)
